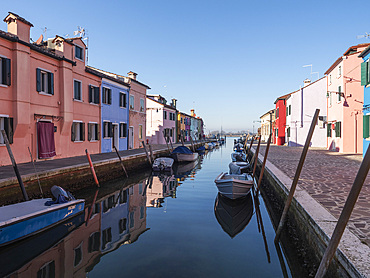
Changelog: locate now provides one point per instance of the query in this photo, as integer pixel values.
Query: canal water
(156, 226)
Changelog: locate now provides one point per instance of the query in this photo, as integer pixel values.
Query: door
(115, 139)
(131, 137)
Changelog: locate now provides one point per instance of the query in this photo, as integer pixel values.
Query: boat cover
(182, 149)
(201, 149)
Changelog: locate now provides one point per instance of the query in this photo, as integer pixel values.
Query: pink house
(44, 99)
(345, 98)
(161, 120)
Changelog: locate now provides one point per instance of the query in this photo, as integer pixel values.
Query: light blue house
(365, 81)
(114, 114)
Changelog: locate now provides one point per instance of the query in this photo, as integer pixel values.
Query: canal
(157, 226)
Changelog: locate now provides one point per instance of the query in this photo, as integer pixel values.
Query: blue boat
(25, 219)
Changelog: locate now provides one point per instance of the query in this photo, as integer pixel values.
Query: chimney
(306, 82)
(132, 75)
(173, 103)
(18, 26)
(192, 113)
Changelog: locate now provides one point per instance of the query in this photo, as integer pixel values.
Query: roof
(138, 82)
(100, 73)
(283, 97)
(64, 39)
(164, 105)
(268, 112)
(18, 18)
(350, 51)
(365, 52)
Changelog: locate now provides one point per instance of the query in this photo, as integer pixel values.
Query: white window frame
(46, 83)
(120, 98)
(140, 131)
(96, 126)
(74, 254)
(2, 126)
(78, 128)
(82, 52)
(76, 99)
(105, 88)
(105, 133)
(93, 95)
(132, 103)
(142, 108)
(339, 71)
(120, 130)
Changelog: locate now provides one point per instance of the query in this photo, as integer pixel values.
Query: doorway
(131, 137)
(115, 139)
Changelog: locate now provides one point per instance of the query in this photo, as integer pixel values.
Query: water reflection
(109, 222)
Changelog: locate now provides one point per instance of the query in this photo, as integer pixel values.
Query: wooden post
(345, 215)
(120, 160)
(92, 168)
(256, 157)
(169, 139)
(15, 167)
(192, 144)
(92, 207)
(297, 174)
(37, 174)
(263, 164)
(151, 153)
(165, 139)
(146, 152)
(182, 137)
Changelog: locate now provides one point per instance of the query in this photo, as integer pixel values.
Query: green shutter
(338, 129)
(328, 128)
(91, 88)
(89, 131)
(8, 127)
(288, 132)
(51, 83)
(73, 135)
(82, 132)
(38, 80)
(103, 96)
(364, 73)
(290, 109)
(6, 71)
(110, 129)
(366, 126)
(110, 97)
(339, 93)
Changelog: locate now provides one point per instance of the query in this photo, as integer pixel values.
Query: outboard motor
(60, 195)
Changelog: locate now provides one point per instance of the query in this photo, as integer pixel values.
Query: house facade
(345, 97)
(161, 120)
(44, 96)
(266, 124)
(300, 109)
(183, 126)
(365, 82)
(280, 120)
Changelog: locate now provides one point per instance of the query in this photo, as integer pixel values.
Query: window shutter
(337, 129)
(120, 130)
(366, 126)
(328, 130)
(124, 130)
(287, 111)
(290, 109)
(97, 131)
(96, 95)
(339, 93)
(51, 83)
(288, 132)
(103, 96)
(110, 96)
(6, 71)
(89, 129)
(8, 127)
(73, 135)
(124, 100)
(82, 126)
(38, 80)
(120, 100)
(110, 129)
(90, 95)
(364, 73)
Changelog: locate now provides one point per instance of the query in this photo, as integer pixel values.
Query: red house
(280, 120)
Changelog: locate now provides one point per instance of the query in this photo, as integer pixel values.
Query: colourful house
(161, 120)
(280, 120)
(365, 82)
(183, 121)
(44, 96)
(345, 97)
(266, 124)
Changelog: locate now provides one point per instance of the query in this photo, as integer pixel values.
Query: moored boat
(238, 157)
(183, 154)
(163, 164)
(239, 168)
(234, 186)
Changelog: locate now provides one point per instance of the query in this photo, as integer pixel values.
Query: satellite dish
(39, 40)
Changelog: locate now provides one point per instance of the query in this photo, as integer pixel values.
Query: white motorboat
(163, 164)
(183, 154)
(234, 186)
(239, 167)
(238, 157)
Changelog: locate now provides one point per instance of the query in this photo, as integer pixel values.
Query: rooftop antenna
(44, 31)
(305, 66)
(82, 32)
(366, 36)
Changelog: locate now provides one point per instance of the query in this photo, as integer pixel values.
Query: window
(123, 197)
(339, 93)
(93, 94)
(330, 100)
(122, 130)
(277, 112)
(288, 132)
(142, 210)
(328, 130)
(107, 237)
(132, 101)
(107, 130)
(94, 242)
(122, 225)
(339, 70)
(93, 131)
(77, 95)
(107, 96)
(44, 82)
(6, 124)
(165, 115)
(132, 220)
(365, 73)
(338, 129)
(78, 255)
(290, 109)
(366, 126)
(78, 131)
(5, 71)
(171, 134)
(47, 271)
(181, 120)
(79, 54)
(140, 132)
(142, 106)
(122, 100)
(330, 79)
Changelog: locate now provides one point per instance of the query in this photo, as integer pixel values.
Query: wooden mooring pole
(121, 162)
(37, 174)
(151, 153)
(165, 139)
(345, 215)
(297, 174)
(256, 157)
(147, 154)
(92, 168)
(263, 164)
(15, 167)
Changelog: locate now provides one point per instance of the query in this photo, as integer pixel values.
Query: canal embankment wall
(309, 227)
(74, 173)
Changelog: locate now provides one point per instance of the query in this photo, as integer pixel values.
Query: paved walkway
(328, 177)
(7, 172)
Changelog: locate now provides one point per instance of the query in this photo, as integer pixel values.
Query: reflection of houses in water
(116, 219)
(161, 187)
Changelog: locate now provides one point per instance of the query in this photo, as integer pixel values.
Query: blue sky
(229, 60)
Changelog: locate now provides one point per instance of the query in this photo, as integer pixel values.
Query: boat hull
(184, 157)
(33, 217)
(234, 186)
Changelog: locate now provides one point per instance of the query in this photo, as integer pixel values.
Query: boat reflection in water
(233, 215)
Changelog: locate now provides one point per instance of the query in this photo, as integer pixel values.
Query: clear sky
(229, 60)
